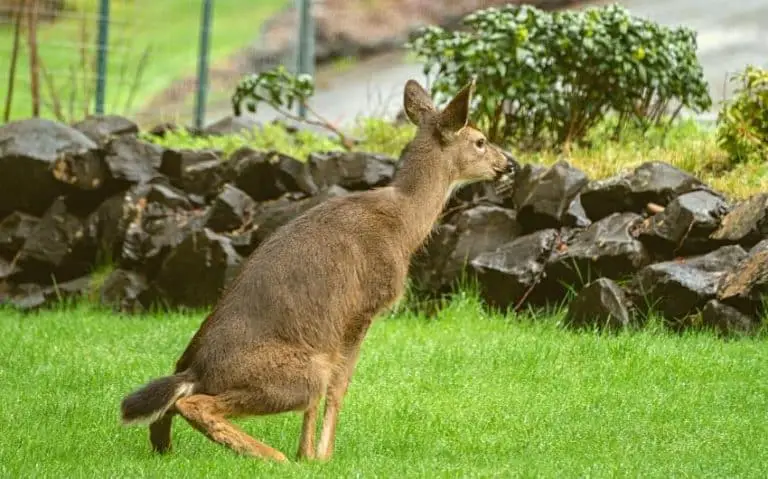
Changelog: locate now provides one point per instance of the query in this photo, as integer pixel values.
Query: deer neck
(423, 188)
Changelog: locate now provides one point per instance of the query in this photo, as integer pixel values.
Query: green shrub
(545, 79)
(742, 125)
(381, 136)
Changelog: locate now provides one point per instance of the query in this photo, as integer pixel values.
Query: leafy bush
(545, 79)
(742, 126)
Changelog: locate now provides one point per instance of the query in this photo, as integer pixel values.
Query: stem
(320, 122)
(55, 98)
(14, 59)
(34, 70)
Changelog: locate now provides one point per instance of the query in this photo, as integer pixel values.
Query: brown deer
(287, 331)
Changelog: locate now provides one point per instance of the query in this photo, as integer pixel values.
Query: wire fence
(168, 61)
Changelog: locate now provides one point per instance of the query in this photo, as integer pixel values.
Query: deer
(286, 332)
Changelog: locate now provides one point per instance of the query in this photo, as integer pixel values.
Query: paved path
(731, 34)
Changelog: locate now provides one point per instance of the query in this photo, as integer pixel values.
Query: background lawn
(465, 394)
(169, 27)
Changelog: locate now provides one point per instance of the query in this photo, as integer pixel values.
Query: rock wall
(177, 224)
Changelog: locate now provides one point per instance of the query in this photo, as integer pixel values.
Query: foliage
(545, 79)
(270, 136)
(743, 124)
(281, 90)
(380, 136)
(375, 136)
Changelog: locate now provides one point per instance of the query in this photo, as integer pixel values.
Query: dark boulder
(106, 226)
(677, 289)
(269, 175)
(58, 248)
(426, 268)
(608, 248)
(243, 241)
(28, 151)
(727, 320)
(444, 260)
(203, 180)
(7, 268)
(14, 231)
(480, 193)
(351, 170)
(576, 217)
(32, 296)
(508, 276)
(685, 224)
(229, 125)
(174, 163)
(232, 210)
(195, 271)
(125, 292)
(601, 304)
(746, 224)
(745, 284)
(543, 197)
(157, 218)
(761, 246)
(82, 172)
(131, 160)
(102, 128)
(651, 182)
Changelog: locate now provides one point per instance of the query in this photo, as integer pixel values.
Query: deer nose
(511, 165)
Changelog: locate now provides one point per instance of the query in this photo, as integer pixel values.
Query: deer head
(465, 153)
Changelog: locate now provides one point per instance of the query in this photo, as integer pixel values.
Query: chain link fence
(164, 61)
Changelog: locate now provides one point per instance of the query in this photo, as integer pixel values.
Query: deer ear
(417, 102)
(455, 116)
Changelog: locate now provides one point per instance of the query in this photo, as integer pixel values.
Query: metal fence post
(101, 59)
(306, 53)
(202, 64)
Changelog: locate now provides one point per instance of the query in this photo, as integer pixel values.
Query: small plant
(742, 129)
(546, 79)
(282, 90)
(270, 136)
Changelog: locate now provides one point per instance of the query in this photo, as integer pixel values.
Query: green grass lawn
(462, 395)
(169, 27)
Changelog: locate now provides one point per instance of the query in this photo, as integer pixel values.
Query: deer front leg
(307, 441)
(337, 389)
(339, 383)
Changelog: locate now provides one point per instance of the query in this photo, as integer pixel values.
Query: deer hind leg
(276, 381)
(208, 415)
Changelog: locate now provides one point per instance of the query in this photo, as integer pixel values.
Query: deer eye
(480, 143)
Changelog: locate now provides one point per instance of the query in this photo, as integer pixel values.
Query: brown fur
(287, 332)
